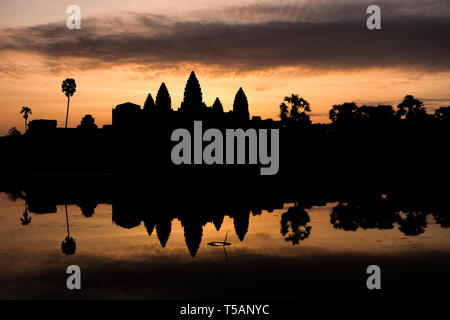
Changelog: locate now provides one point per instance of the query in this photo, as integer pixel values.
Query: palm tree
(26, 111)
(68, 87)
(299, 108)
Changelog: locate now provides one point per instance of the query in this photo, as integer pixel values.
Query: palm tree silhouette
(26, 111)
(68, 87)
(68, 246)
(299, 108)
(26, 218)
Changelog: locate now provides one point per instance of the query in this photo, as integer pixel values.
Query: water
(118, 262)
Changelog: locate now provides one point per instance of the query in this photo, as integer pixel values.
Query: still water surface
(118, 262)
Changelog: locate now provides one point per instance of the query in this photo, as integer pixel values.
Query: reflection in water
(294, 225)
(68, 246)
(26, 219)
(222, 244)
(413, 224)
(147, 246)
(371, 211)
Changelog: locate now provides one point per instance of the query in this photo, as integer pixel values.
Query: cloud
(239, 41)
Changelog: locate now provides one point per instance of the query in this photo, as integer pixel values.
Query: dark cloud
(411, 42)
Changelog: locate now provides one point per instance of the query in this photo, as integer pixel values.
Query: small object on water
(220, 243)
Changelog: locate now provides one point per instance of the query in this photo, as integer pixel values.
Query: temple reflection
(349, 212)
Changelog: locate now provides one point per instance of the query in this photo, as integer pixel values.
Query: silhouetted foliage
(284, 112)
(442, 217)
(149, 104)
(411, 109)
(294, 226)
(68, 87)
(88, 122)
(13, 132)
(240, 106)
(68, 246)
(26, 112)
(298, 110)
(163, 100)
(26, 219)
(380, 113)
(345, 112)
(413, 224)
(443, 114)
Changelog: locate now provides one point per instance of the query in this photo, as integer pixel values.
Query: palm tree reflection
(26, 219)
(68, 246)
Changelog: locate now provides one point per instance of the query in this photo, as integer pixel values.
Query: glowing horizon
(121, 55)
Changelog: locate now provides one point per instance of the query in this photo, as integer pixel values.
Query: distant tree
(149, 103)
(298, 110)
(379, 113)
(411, 109)
(443, 113)
(193, 97)
(217, 106)
(25, 111)
(345, 112)
(163, 100)
(88, 122)
(240, 106)
(13, 132)
(68, 87)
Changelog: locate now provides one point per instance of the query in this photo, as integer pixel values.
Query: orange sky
(34, 60)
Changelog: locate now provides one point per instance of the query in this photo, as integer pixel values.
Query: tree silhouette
(443, 113)
(413, 224)
(345, 112)
(149, 103)
(295, 219)
(88, 122)
(298, 110)
(380, 113)
(193, 97)
(411, 109)
(217, 106)
(284, 112)
(25, 111)
(13, 132)
(68, 87)
(240, 106)
(163, 100)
